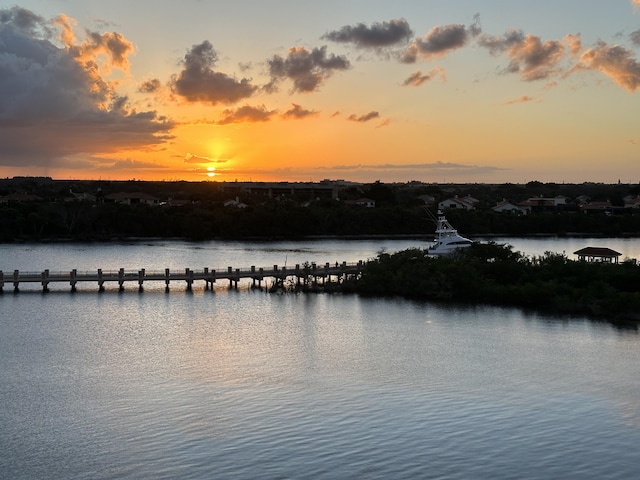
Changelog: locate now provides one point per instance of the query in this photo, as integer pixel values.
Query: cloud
(246, 114)
(440, 41)
(574, 43)
(499, 43)
(615, 62)
(198, 159)
(418, 78)
(434, 167)
(297, 112)
(635, 37)
(363, 118)
(529, 56)
(379, 35)
(56, 103)
(307, 69)
(521, 99)
(199, 82)
(150, 86)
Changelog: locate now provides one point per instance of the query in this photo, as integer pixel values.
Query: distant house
(597, 207)
(597, 254)
(464, 203)
(366, 202)
(80, 197)
(136, 198)
(234, 203)
(542, 203)
(632, 202)
(427, 199)
(507, 207)
(19, 197)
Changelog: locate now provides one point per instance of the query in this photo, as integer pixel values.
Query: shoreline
(407, 236)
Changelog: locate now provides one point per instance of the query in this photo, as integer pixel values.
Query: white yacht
(447, 240)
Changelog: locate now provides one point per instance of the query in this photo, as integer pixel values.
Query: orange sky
(419, 90)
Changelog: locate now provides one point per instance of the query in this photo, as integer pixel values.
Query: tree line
(84, 221)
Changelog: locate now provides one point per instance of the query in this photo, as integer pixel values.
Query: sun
(211, 171)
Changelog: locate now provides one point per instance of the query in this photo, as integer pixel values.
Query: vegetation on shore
(494, 274)
(78, 221)
(60, 213)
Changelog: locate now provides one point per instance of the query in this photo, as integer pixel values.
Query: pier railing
(300, 273)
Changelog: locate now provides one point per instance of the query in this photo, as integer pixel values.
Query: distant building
(234, 203)
(597, 207)
(135, 198)
(427, 199)
(632, 202)
(464, 203)
(19, 197)
(366, 202)
(542, 203)
(507, 207)
(597, 254)
(324, 189)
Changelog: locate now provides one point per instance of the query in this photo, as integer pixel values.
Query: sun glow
(211, 171)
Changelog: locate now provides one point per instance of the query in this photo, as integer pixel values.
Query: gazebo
(597, 254)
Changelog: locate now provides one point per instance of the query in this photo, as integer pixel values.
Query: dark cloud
(198, 82)
(440, 41)
(54, 102)
(418, 78)
(364, 118)
(297, 112)
(150, 86)
(635, 38)
(307, 69)
(499, 43)
(246, 114)
(378, 35)
(616, 62)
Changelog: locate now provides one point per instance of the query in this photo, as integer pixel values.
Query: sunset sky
(253, 90)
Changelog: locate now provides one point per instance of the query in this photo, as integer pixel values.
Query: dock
(309, 273)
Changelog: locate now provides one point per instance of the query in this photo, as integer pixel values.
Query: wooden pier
(305, 274)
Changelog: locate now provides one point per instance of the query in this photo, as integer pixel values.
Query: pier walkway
(305, 274)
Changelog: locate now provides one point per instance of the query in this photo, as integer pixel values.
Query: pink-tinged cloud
(246, 114)
(112, 48)
(418, 78)
(616, 62)
(199, 82)
(307, 69)
(535, 59)
(521, 99)
(529, 56)
(573, 43)
(56, 104)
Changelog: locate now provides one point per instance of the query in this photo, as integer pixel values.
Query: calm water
(243, 385)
